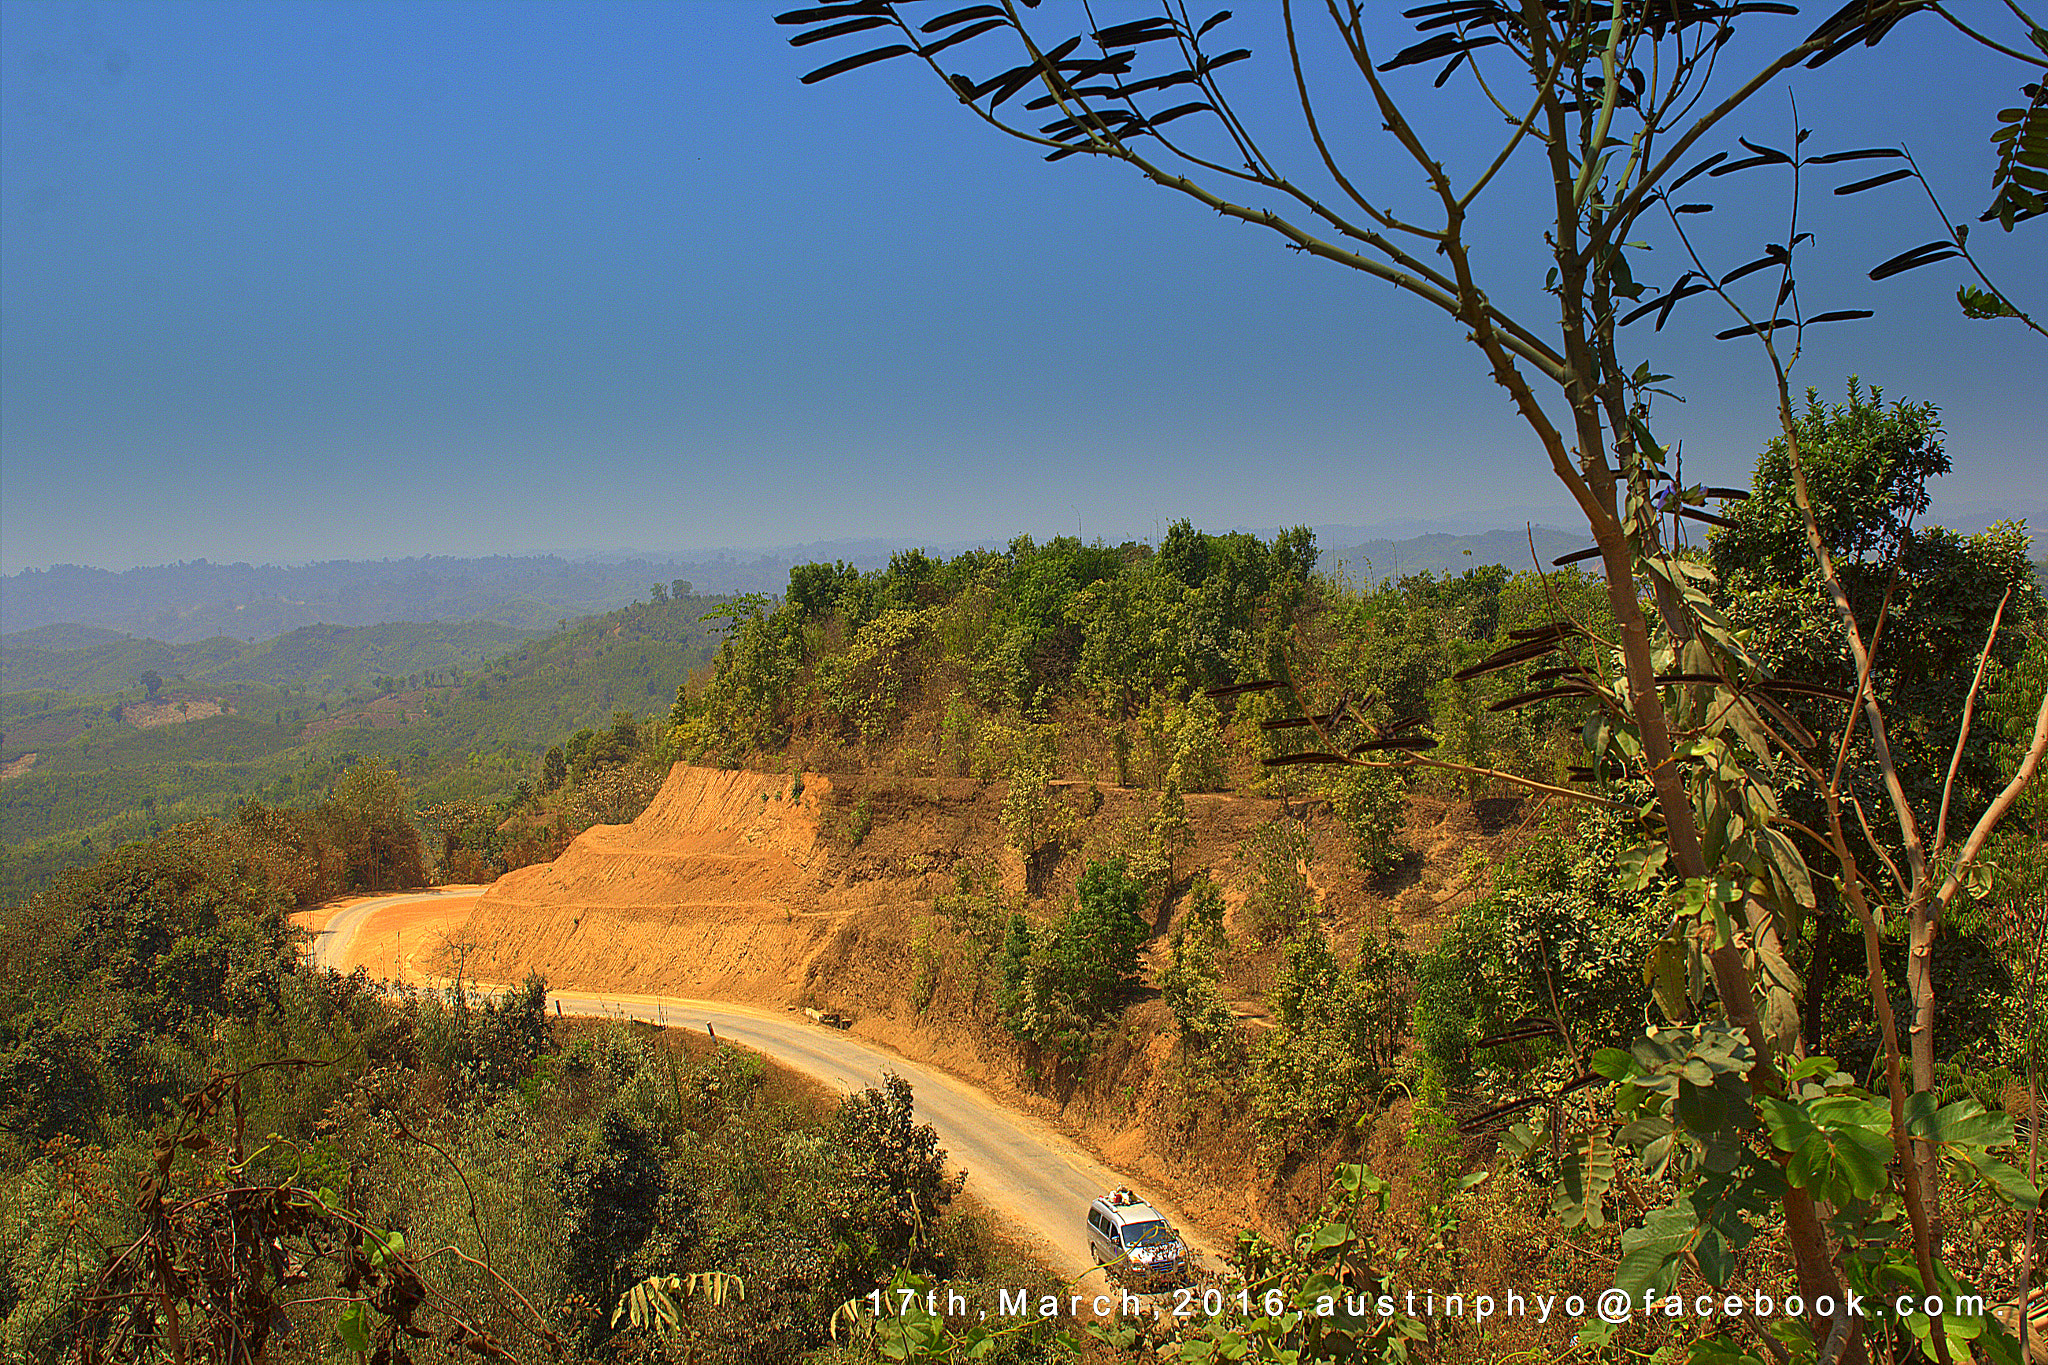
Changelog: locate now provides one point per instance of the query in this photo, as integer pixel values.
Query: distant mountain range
(1377, 560)
(188, 602)
(86, 659)
(68, 607)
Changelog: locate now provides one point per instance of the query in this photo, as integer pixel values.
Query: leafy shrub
(1338, 1030)
(864, 687)
(615, 796)
(1561, 922)
(610, 1183)
(1056, 989)
(1198, 747)
(1276, 859)
(1204, 915)
(924, 980)
(1147, 845)
(896, 1165)
(1370, 804)
(956, 736)
(1208, 1026)
(1098, 942)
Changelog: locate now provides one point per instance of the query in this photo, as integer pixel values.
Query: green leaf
(1784, 855)
(2012, 1184)
(1614, 1064)
(1726, 1205)
(1583, 1183)
(1965, 1123)
(1719, 1351)
(1639, 866)
(352, 1329)
(1787, 1123)
(1665, 973)
(1841, 1163)
(1701, 1109)
(1809, 1067)
(1851, 1111)
(1649, 1254)
(1982, 304)
(1724, 1151)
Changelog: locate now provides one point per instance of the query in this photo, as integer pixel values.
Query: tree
(1370, 805)
(1097, 948)
(610, 1183)
(898, 1162)
(1688, 712)
(152, 682)
(1337, 1030)
(1937, 593)
(1032, 815)
(370, 816)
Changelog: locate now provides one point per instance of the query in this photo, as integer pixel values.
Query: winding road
(1021, 1170)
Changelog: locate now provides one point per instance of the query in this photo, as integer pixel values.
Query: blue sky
(309, 281)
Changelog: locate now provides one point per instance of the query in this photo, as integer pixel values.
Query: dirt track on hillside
(367, 931)
(1029, 1176)
(728, 888)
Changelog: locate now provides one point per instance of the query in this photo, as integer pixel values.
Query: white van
(1133, 1242)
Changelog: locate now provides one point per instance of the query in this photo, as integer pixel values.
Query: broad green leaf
(1719, 1351)
(1841, 1163)
(351, 1327)
(1331, 1235)
(1724, 1151)
(1965, 1123)
(1850, 1111)
(1649, 1254)
(1809, 1067)
(1702, 1109)
(1784, 855)
(2012, 1184)
(1666, 975)
(1639, 866)
(1787, 1123)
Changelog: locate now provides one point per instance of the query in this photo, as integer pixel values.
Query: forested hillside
(323, 659)
(360, 1134)
(113, 766)
(1122, 944)
(188, 602)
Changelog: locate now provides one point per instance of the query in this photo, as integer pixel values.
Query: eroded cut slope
(713, 890)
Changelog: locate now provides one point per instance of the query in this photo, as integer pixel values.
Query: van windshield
(1152, 1234)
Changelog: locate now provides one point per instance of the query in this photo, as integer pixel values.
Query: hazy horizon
(290, 284)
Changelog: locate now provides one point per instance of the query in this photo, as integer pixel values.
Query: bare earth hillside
(727, 889)
(712, 891)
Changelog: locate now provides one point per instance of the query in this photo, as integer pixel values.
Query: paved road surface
(1019, 1168)
(331, 944)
